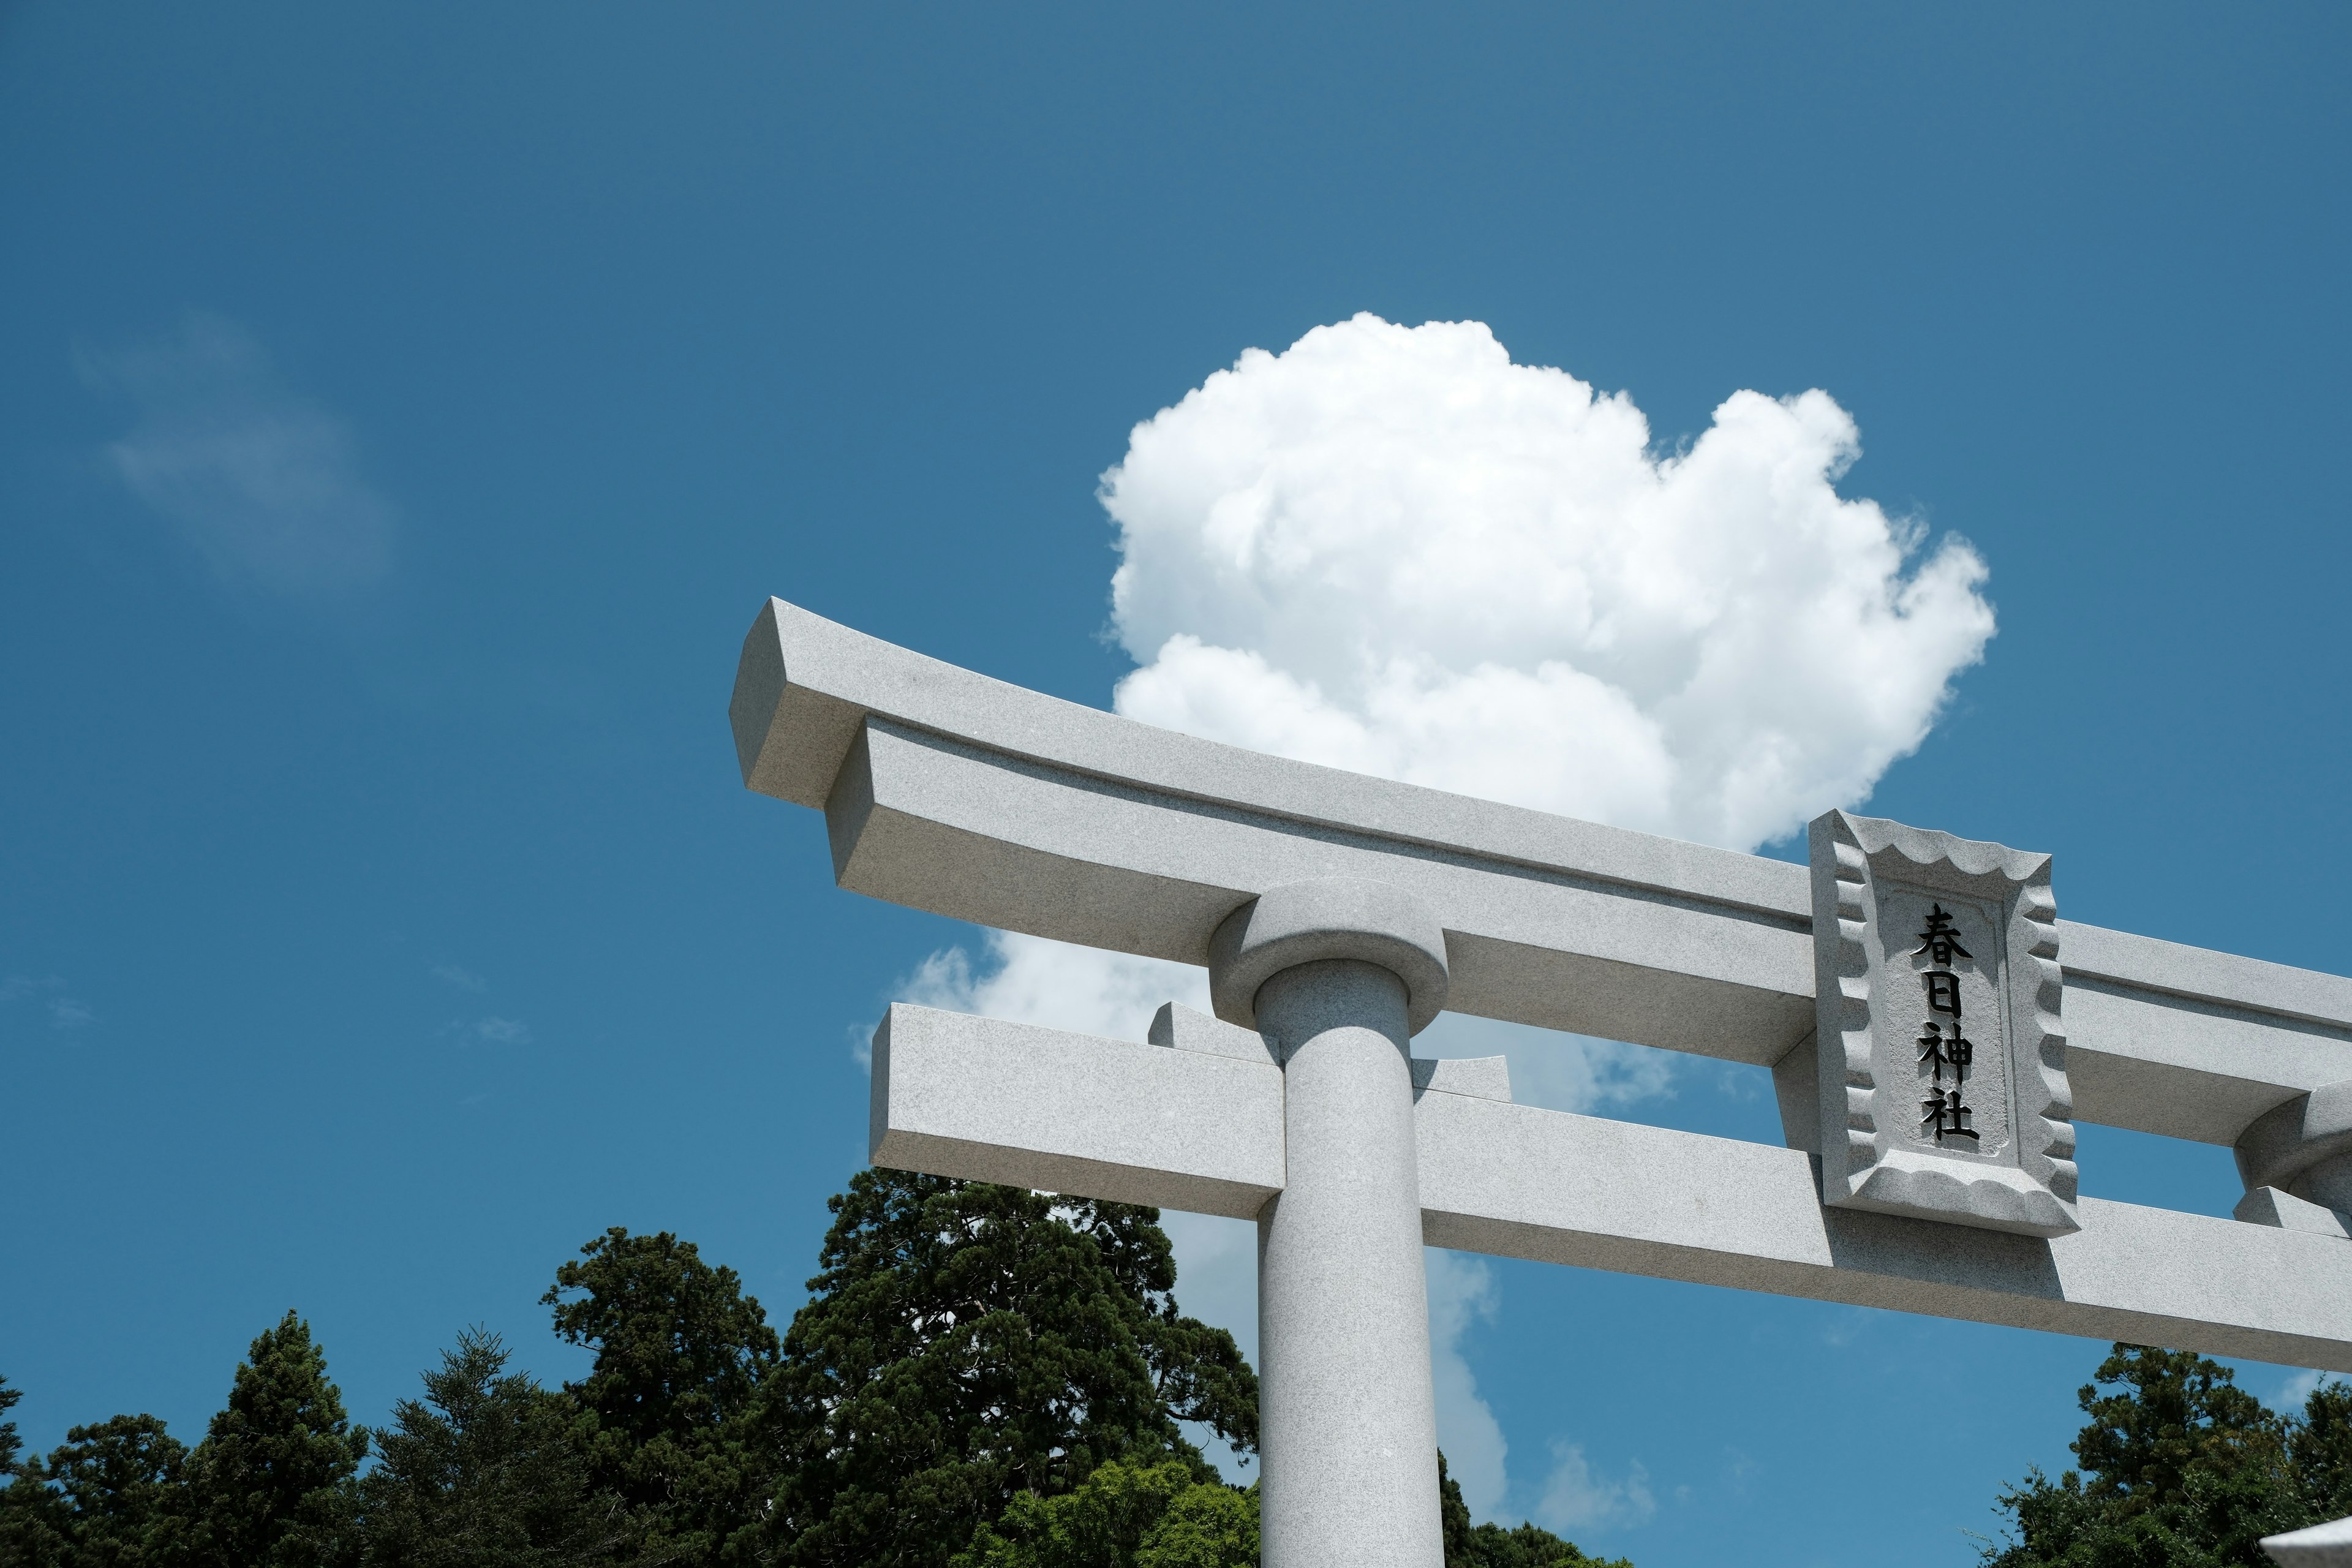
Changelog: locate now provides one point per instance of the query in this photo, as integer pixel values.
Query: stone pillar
(1337, 976)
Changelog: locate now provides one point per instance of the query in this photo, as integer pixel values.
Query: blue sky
(404, 411)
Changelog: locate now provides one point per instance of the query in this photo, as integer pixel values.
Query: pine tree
(112, 1496)
(670, 1412)
(483, 1472)
(2181, 1468)
(968, 1343)
(33, 1516)
(12, 1446)
(269, 1482)
(124, 1485)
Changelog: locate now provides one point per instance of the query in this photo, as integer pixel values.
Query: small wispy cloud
(2298, 1388)
(463, 979)
(1845, 1325)
(502, 1031)
(1575, 1497)
(262, 481)
(1734, 1081)
(65, 1011)
(1740, 1470)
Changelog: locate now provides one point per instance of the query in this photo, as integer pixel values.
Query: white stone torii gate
(1338, 913)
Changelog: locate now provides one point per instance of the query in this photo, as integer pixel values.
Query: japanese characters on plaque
(1939, 1044)
(1947, 1109)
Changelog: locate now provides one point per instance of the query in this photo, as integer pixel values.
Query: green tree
(670, 1411)
(12, 1446)
(1489, 1545)
(967, 1344)
(123, 1485)
(33, 1516)
(1125, 1516)
(2181, 1468)
(2172, 1414)
(1208, 1526)
(271, 1481)
(483, 1472)
(2319, 1449)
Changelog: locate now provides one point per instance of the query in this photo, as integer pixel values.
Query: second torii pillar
(1337, 976)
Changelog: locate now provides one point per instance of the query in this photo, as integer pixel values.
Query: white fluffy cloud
(1391, 550)
(262, 481)
(1461, 1292)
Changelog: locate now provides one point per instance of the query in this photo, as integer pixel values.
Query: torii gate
(1338, 914)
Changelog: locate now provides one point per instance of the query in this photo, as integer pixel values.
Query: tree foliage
(2319, 1452)
(32, 1517)
(1125, 1516)
(484, 1472)
(982, 1377)
(1489, 1545)
(269, 1487)
(966, 1344)
(119, 1484)
(2181, 1468)
(672, 1414)
(269, 1483)
(11, 1445)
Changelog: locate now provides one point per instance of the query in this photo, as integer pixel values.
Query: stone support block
(2304, 1147)
(2268, 1205)
(1350, 918)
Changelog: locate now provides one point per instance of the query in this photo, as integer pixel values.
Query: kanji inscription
(1941, 1052)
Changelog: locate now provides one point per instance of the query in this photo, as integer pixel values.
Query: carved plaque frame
(1891, 1006)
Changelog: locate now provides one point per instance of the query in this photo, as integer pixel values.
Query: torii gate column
(1337, 976)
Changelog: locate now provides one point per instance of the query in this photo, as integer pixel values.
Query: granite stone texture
(989, 1101)
(1179, 1027)
(2303, 1146)
(1346, 1416)
(1940, 1051)
(1481, 1077)
(2268, 1205)
(2325, 1545)
(946, 790)
(1329, 917)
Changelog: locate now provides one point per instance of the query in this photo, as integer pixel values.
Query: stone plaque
(1942, 1056)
